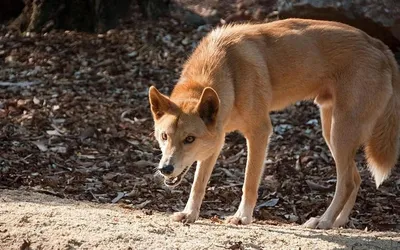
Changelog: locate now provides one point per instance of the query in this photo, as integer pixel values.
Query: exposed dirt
(52, 223)
(75, 123)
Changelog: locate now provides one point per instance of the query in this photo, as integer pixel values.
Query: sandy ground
(53, 223)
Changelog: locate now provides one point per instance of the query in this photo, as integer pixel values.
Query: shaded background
(75, 120)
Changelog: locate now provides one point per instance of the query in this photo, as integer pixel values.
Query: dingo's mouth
(175, 181)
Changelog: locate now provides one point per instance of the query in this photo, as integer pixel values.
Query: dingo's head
(185, 130)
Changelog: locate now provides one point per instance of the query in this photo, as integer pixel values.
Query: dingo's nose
(167, 169)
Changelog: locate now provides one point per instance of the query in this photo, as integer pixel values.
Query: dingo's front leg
(202, 175)
(257, 143)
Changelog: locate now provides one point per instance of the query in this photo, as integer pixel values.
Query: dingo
(239, 73)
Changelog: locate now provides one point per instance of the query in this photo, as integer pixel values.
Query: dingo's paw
(185, 217)
(237, 220)
(319, 223)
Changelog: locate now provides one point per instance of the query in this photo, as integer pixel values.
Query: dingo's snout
(166, 169)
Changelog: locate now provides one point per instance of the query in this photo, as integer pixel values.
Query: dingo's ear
(159, 103)
(208, 106)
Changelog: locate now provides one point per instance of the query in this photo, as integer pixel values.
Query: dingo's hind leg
(357, 101)
(326, 122)
(345, 138)
(343, 217)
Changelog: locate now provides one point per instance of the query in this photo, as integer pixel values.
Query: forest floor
(75, 125)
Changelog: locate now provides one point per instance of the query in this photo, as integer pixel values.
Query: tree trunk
(81, 15)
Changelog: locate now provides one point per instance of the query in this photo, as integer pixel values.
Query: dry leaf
(119, 196)
(41, 144)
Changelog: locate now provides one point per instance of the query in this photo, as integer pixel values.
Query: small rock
(312, 122)
(9, 59)
(133, 54)
(185, 41)
(36, 101)
(292, 217)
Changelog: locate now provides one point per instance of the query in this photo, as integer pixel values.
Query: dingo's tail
(382, 149)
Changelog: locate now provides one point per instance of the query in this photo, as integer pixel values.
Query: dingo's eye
(189, 139)
(164, 136)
